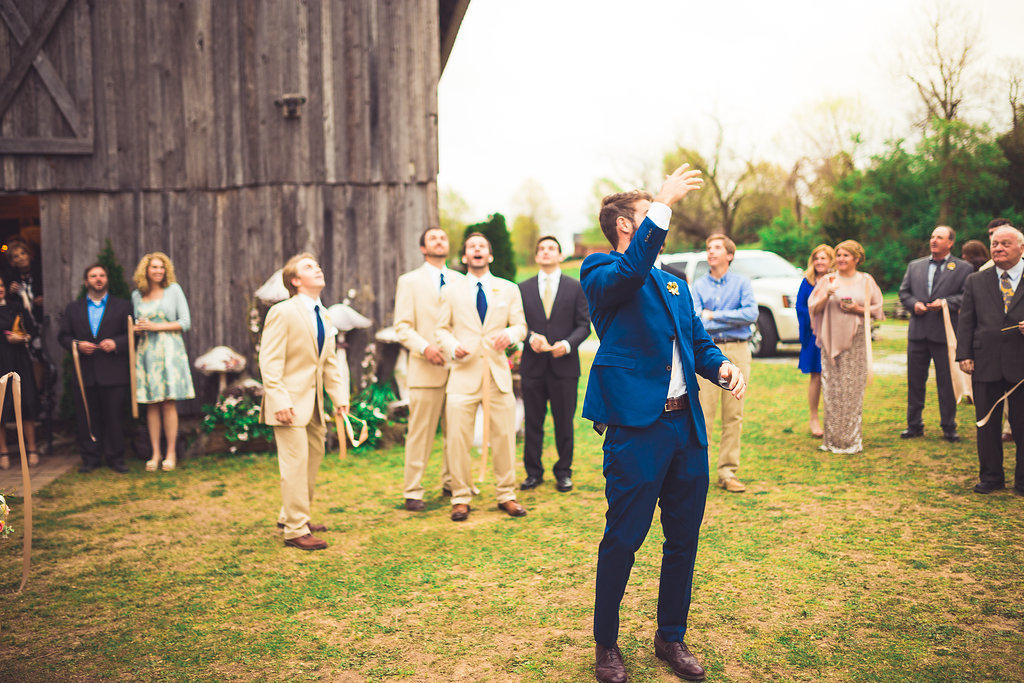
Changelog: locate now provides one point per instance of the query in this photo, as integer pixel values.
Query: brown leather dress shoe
(513, 508)
(608, 667)
(683, 663)
(307, 542)
(460, 512)
(313, 528)
(414, 505)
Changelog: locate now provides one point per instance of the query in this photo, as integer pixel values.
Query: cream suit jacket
(459, 323)
(417, 305)
(293, 374)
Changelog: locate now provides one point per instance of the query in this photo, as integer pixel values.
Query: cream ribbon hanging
(961, 380)
(26, 480)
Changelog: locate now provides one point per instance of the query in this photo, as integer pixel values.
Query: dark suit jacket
(638, 312)
(100, 369)
(569, 320)
(948, 284)
(996, 355)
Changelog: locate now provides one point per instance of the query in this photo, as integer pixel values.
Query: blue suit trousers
(663, 464)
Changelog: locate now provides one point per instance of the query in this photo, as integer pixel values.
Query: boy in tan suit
(417, 301)
(481, 316)
(298, 361)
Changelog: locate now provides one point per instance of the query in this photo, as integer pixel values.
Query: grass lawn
(878, 566)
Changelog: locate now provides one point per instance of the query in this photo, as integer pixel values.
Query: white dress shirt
(660, 214)
(1015, 273)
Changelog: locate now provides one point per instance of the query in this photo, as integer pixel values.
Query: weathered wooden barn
(229, 134)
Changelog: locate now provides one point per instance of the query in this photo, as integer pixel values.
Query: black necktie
(935, 275)
(481, 301)
(320, 333)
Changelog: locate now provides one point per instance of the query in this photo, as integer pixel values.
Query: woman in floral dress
(837, 306)
(163, 374)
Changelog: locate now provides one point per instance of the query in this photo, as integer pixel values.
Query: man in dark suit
(643, 389)
(994, 355)
(557, 322)
(98, 326)
(927, 283)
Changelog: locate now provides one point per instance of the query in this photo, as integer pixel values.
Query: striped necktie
(1007, 289)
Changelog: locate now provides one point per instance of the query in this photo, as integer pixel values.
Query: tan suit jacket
(293, 374)
(417, 305)
(459, 323)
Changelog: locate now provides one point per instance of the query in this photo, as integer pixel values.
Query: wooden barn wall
(225, 244)
(192, 157)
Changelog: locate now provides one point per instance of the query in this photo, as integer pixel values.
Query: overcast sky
(569, 91)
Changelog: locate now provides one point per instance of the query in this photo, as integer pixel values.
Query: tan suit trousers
(461, 416)
(425, 407)
(713, 396)
(300, 450)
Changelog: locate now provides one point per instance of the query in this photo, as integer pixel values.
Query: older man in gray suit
(928, 282)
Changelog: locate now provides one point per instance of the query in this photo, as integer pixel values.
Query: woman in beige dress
(837, 317)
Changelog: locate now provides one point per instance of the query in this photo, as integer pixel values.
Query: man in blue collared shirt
(724, 300)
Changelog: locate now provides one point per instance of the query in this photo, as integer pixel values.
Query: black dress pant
(561, 392)
(990, 437)
(919, 354)
(106, 411)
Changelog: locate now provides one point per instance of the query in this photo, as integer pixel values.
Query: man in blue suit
(643, 389)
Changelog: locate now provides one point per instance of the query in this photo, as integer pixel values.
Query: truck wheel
(768, 334)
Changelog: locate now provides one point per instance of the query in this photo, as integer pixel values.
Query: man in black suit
(98, 326)
(558, 322)
(994, 355)
(927, 282)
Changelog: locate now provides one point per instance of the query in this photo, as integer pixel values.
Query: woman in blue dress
(162, 370)
(821, 261)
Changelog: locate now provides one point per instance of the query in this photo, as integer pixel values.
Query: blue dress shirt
(731, 302)
(96, 311)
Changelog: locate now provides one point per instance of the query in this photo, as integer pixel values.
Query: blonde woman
(837, 306)
(821, 262)
(161, 364)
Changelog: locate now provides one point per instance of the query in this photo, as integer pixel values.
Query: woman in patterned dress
(162, 370)
(837, 317)
(821, 261)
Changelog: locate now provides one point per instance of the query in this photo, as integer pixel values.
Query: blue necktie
(481, 301)
(442, 279)
(320, 334)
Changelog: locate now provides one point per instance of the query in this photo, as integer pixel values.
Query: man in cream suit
(417, 301)
(298, 361)
(481, 316)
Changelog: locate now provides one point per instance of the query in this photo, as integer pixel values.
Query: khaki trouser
(712, 396)
(300, 450)
(461, 415)
(425, 407)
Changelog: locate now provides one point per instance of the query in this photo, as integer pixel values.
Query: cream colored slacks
(713, 397)
(461, 414)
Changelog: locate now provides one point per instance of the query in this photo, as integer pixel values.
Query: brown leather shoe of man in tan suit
(307, 542)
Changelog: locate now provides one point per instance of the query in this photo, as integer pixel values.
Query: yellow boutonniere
(673, 288)
(950, 266)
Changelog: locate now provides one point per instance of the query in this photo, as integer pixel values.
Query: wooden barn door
(46, 102)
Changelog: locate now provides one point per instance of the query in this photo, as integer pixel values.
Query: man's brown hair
(291, 270)
(730, 246)
(619, 204)
(85, 273)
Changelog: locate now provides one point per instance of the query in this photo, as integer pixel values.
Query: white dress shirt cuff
(568, 348)
(660, 214)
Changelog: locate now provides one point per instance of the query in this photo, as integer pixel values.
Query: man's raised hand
(678, 185)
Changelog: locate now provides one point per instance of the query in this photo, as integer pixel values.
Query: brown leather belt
(676, 403)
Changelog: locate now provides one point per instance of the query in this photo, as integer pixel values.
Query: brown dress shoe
(414, 505)
(683, 663)
(608, 667)
(460, 512)
(313, 528)
(513, 508)
(307, 542)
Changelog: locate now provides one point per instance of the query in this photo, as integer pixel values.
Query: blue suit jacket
(637, 317)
